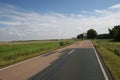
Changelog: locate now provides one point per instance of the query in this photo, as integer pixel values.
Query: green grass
(110, 54)
(11, 53)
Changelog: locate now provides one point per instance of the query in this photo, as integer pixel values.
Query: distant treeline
(114, 34)
(103, 36)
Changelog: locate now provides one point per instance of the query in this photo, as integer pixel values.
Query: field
(110, 53)
(13, 52)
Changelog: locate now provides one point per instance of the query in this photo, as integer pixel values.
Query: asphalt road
(73, 64)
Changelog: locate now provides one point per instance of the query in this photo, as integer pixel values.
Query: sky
(55, 19)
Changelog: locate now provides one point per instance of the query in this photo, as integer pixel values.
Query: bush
(61, 43)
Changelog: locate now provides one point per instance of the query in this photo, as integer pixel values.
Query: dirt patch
(82, 44)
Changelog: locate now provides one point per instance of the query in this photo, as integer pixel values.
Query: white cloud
(21, 25)
(116, 6)
(9, 23)
(102, 11)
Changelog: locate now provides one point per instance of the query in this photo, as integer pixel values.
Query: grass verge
(109, 52)
(14, 52)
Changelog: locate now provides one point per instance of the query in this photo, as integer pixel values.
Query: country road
(73, 64)
(79, 61)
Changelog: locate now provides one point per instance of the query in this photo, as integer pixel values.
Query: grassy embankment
(110, 52)
(13, 52)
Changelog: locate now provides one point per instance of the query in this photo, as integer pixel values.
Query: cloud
(116, 6)
(26, 25)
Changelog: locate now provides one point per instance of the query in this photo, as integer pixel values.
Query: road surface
(75, 62)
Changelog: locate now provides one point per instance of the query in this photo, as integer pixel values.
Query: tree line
(114, 34)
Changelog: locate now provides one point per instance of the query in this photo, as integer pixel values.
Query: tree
(91, 33)
(80, 36)
(115, 32)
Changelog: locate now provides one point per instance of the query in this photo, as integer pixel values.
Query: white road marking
(101, 66)
(71, 51)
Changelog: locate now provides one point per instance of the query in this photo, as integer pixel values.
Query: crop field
(110, 53)
(13, 52)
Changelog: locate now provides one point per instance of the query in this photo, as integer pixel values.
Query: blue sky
(55, 19)
(61, 6)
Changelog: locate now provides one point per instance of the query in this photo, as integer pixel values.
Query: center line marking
(71, 51)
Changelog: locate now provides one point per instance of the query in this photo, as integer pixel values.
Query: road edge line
(100, 64)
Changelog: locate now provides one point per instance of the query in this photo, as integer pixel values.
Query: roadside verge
(104, 68)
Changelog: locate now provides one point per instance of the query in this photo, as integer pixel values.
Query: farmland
(110, 53)
(13, 52)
